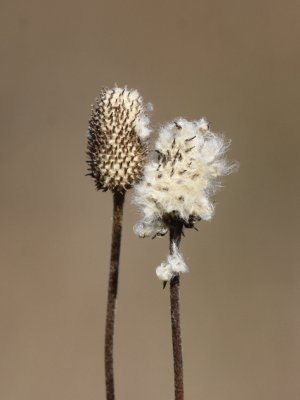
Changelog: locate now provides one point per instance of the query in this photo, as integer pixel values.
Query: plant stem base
(118, 199)
(175, 237)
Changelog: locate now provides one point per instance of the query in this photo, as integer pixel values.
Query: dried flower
(177, 186)
(117, 147)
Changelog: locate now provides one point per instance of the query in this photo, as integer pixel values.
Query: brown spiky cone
(117, 152)
(116, 139)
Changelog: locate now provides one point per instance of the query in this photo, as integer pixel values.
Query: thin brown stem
(118, 198)
(175, 237)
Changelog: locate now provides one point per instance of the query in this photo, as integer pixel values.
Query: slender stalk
(175, 237)
(118, 200)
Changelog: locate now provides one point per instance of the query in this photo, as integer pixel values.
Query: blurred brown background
(235, 62)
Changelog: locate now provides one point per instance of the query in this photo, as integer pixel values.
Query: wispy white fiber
(174, 265)
(164, 272)
(151, 229)
(142, 128)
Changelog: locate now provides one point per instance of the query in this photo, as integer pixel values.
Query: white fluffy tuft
(174, 265)
(151, 228)
(142, 126)
(176, 261)
(187, 172)
(180, 182)
(164, 272)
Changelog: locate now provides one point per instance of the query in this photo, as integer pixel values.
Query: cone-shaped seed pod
(117, 133)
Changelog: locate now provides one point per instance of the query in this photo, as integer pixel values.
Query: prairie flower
(117, 152)
(117, 147)
(178, 184)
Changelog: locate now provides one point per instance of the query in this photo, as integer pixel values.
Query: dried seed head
(117, 133)
(179, 184)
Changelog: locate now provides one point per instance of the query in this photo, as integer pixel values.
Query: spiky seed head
(117, 139)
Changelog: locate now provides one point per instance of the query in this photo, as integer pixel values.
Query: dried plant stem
(118, 199)
(175, 237)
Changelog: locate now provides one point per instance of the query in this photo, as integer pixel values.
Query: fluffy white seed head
(117, 148)
(180, 182)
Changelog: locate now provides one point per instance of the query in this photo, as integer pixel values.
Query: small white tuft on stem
(174, 265)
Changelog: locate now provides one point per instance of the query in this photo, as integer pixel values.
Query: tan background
(235, 62)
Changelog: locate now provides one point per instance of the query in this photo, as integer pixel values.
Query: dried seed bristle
(117, 147)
